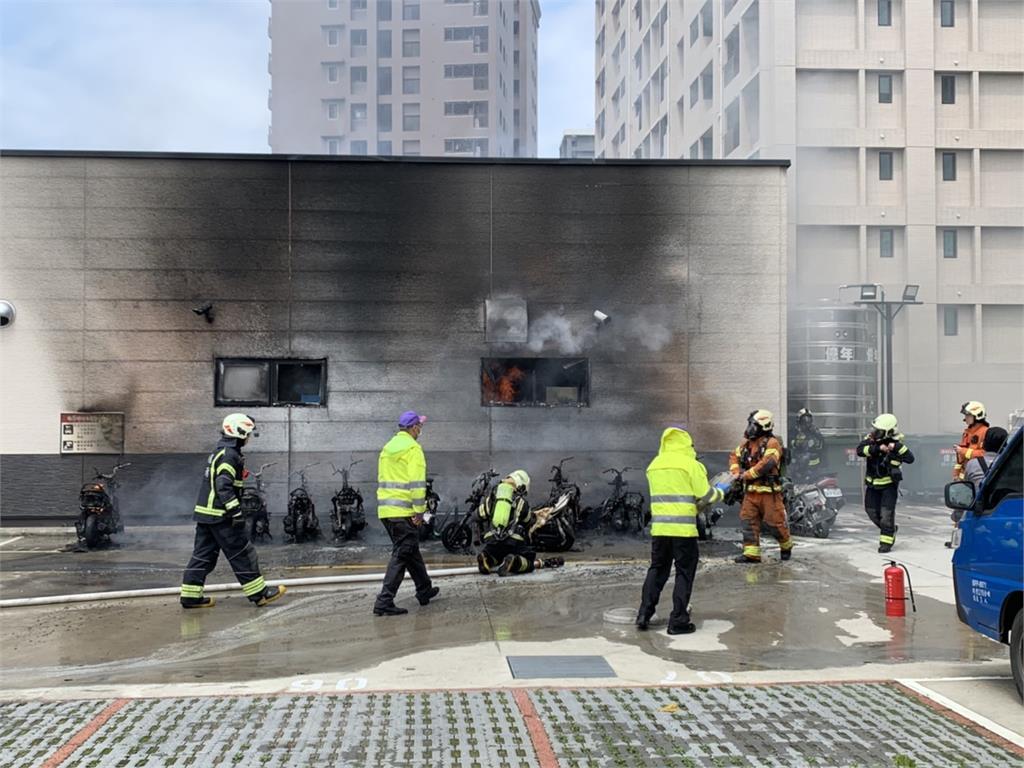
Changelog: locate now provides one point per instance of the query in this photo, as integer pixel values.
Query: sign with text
(100, 432)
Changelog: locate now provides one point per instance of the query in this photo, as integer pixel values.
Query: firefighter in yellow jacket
(401, 501)
(678, 485)
(757, 463)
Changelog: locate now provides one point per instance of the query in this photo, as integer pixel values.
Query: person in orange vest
(973, 439)
(757, 463)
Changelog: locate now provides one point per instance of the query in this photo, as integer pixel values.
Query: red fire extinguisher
(895, 597)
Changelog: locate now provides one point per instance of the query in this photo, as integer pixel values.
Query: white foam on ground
(706, 638)
(862, 630)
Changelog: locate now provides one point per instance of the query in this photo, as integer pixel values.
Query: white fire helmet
(238, 425)
(521, 479)
(973, 408)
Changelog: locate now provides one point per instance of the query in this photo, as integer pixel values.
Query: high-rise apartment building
(904, 120)
(577, 145)
(404, 77)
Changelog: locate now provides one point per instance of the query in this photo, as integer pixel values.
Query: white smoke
(558, 332)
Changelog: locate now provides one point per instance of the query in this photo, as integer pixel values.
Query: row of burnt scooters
(811, 509)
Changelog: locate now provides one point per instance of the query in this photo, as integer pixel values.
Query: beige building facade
(904, 120)
(453, 78)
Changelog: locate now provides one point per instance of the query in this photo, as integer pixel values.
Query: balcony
(889, 60)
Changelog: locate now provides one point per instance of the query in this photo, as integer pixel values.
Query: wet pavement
(818, 618)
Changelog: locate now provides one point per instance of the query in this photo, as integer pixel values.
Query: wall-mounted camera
(6, 313)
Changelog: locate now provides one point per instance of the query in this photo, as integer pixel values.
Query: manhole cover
(523, 667)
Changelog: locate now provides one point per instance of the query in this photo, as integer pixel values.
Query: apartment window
(358, 40)
(358, 115)
(695, 150)
(707, 19)
(885, 13)
(732, 127)
(694, 30)
(947, 13)
(885, 166)
(333, 110)
(410, 80)
(479, 73)
(481, 7)
(358, 147)
(707, 83)
(948, 87)
(333, 146)
(410, 117)
(885, 243)
(384, 147)
(535, 381)
(479, 36)
(332, 5)
(384, 118)
(950, 321)
(383, 81)
(383, 10)
(476, 147)
(731, 68)
(411, 147)
(694, 92)
(332, 73)
(333, 36)
(478, 109)
(949, 166)
(885, 89)
(949, 244)
(410, 10)
(707, 145)
(358, 10)
(267, 382)
(410, 42)
(383, 43)
(357, 80)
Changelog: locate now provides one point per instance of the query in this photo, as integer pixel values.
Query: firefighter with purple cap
(401, 501)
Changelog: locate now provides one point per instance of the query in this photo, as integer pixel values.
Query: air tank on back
(833, 366)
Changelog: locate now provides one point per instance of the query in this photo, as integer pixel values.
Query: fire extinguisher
(895, 597)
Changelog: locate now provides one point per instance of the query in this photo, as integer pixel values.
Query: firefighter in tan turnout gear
(506, 515)
(757, 463)
(217, 505)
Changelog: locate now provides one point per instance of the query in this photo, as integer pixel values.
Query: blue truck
(988, 559)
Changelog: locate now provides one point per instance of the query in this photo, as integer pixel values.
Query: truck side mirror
(960, 495)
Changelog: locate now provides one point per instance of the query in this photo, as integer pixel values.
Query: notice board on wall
(96, 432)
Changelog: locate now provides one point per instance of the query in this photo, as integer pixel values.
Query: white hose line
(86, 597)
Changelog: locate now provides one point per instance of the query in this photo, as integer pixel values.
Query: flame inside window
(535, 381)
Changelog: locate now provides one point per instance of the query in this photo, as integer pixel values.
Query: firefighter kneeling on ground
(757, 463)
(885, 454)
(972, 440)
(215, 509)
(506, 516)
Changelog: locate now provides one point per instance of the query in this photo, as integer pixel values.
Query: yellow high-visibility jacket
(401, 478)
(678, 482)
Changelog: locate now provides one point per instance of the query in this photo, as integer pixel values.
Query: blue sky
(191, 75)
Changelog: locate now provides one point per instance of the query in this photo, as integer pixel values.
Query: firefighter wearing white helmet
(885, 454)
(757, 464)
(214, 513)
(973, 438)
(506, 517)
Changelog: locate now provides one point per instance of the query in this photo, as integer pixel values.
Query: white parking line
(999, 730)
(11, 541)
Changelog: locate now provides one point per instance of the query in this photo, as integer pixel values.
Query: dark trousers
(880, 504)
(666, 550)
(524, 558)
(405, 556)
(211, 540)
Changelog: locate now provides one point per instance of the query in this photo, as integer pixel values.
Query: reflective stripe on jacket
(882, 466)
(222, 483)
(757, 462)
(401, 478)
(678, 482)
(969, 447)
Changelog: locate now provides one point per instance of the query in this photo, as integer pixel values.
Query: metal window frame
(886, 234)
(890, 160)
(273, 399)
(954, 252)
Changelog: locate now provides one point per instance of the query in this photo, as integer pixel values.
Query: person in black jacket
(886, 454)
(215, 509)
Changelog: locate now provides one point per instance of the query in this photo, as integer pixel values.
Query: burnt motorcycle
(552, 529)
(560, 486)
(428, 528)
(98, 515)
(809, 510)
(347, 517)
(254, 507)
(623, 511)
(300, 522)
(459, 534)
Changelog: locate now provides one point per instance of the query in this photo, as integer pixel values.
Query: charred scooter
(459, 534)
(428, 528)
(560, 486)
(300, 522)
(254, 507)
(98, 516)
(347, 517)
(552, 529)
(623, 510)
(811, 508)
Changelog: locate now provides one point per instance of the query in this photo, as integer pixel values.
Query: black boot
(552, 562)
(269, 595)
(642, 621)
(506, 565)
(389, 610)
(785, 554)
(197, 602)
(429, 595)
(682, 629)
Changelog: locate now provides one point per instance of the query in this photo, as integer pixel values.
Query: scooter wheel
(91, 532)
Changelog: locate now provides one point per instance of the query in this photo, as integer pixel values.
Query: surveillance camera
(601, 317)
(6, 313)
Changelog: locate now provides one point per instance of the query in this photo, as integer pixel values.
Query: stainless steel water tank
(834, 366)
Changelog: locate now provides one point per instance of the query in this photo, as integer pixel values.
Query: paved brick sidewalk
(856, 724)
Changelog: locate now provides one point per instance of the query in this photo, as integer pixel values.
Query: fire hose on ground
(86, 597)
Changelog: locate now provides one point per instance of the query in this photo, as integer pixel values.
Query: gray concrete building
(346, 291)
(577, 145)
(904, 120)
(404, 77)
